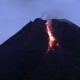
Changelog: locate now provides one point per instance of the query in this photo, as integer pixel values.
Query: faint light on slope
(51, 37)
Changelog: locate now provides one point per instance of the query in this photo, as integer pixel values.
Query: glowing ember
(50, 36)
(57, 44)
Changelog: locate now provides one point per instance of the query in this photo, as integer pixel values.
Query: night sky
(14, 14)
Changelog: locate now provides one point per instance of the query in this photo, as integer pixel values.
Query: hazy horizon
(14, 14)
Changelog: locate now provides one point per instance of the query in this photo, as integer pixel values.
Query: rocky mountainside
(23, 56)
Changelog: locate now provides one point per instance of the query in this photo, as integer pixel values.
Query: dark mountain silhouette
(23, 56)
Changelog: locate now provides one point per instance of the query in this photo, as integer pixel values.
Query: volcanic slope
(23, 56)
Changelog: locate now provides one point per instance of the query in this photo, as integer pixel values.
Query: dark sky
(14, 14)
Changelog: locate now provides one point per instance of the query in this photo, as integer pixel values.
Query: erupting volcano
(51, 38)
(22, 57)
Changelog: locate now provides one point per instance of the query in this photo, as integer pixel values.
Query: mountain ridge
(23, 56)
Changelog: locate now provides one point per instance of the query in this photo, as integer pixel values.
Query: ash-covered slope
(23, 56)
(68, 35)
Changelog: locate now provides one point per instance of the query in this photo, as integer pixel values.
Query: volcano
(23, 56)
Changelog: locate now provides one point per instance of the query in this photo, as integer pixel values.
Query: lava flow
(51, 38)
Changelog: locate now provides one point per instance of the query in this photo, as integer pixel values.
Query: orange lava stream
(50, 36)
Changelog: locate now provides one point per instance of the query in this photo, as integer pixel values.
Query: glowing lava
(50, 36)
